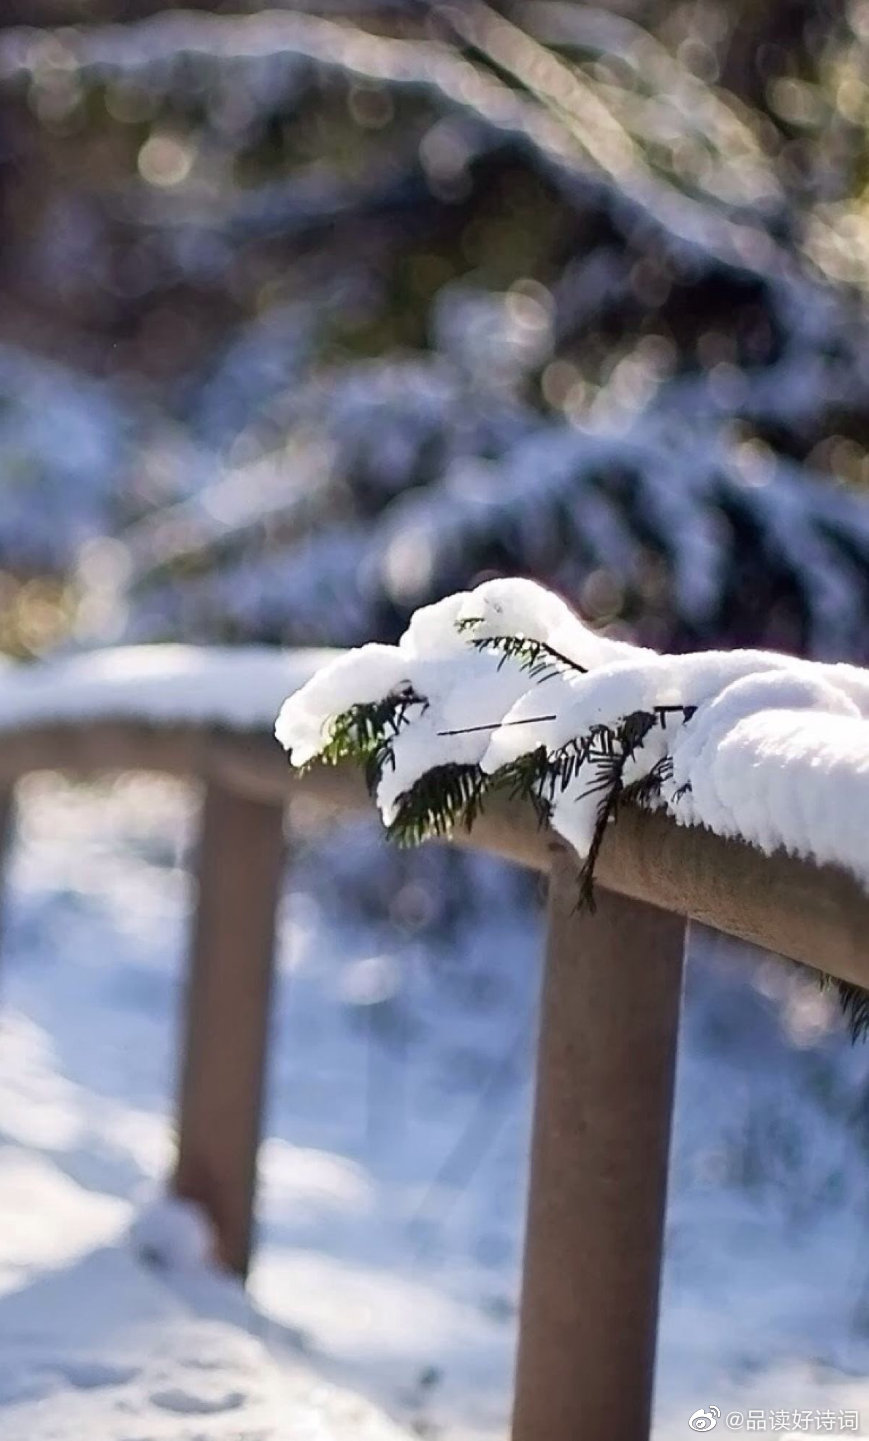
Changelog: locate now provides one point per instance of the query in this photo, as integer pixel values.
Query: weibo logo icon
(705, 1419)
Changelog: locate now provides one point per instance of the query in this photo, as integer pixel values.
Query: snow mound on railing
(237, 688)
(751, 744)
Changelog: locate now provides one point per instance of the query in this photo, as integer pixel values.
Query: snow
(173, 1233)
(358, 678)
(395, 1160)
(766, 747)
(239, 688)
(774, 775)
(105, 1347)
(460, 693)
(112, 1324)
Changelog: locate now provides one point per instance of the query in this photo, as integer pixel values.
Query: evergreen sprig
(542, 775)
(444, 797)
(853, 1003)
(645, 791)
(365, 733)
(609, 757)
(527, 779)
(537, 657)
(607, 750)
(453, 794)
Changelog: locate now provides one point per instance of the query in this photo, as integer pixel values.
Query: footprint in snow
(87, 1375)
(190, 1403)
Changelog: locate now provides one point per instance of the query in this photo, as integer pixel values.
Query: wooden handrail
(605, 1056)
(817, 915)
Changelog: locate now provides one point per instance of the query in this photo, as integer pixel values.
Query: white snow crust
(766, 747)
(238, 688)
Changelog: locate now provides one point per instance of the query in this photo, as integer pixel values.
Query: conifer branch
(366, 733)
(538, 657)
(853, 1003)
(444, 797)
(541, 660)
(526, 779)
(622, 745)
(647, 789)
(453, 794)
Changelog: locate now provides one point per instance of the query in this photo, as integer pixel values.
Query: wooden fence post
(594, 1236)
(7, 819)
(227, 1014)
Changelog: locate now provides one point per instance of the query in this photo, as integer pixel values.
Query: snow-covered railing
(610, 1003)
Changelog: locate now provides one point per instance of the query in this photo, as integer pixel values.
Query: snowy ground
(393, 1174)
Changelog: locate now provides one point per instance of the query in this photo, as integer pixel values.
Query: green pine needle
(609, 755)
(434, 805)
(853, 1003)
(527, 779)
(540, 660)
(366, 733)
(648, 788)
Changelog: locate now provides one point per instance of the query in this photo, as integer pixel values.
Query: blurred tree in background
(309, 316)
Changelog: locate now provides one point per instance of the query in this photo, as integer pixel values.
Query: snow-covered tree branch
(504, 687)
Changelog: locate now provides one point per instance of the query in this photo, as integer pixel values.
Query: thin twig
(496, 725)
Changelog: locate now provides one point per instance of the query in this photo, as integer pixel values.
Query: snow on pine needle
(503, 687)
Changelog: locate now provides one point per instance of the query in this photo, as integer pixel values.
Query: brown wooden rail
(606, 1055)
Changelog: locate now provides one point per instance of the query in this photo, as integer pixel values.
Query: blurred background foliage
(308, 316)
